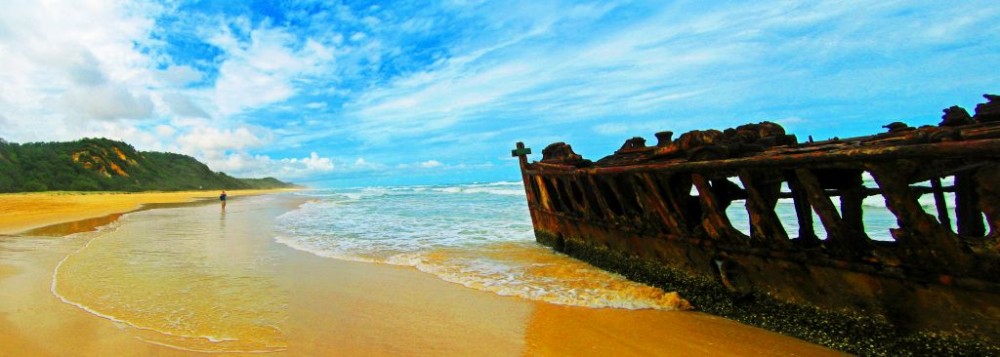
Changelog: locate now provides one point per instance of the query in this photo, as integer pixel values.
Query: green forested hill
(108, 165)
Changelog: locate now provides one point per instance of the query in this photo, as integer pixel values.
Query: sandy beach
(322, 306)
(25, 211)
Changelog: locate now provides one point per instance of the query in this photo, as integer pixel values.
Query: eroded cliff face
(106, 160)
(659, 214)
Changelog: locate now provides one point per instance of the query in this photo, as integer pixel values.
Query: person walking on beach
(222, 197)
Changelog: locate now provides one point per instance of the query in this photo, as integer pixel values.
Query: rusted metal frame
(594, 209)
(715, 221)
(555, 197)
(622, 219)
(924, 236)
(666, 207)
(930, 169)
(940, 203)
(566, 195)
(575, 186)
(766, 227)
(638, 211)
(534, 196)
(648, 216)
(967, 214)
(978, 131)
(988, 188)
(601, 203)
(851, 200)
(968, 283)
(840, 238)
(820, 260)
(803, 211)
(985, 148)
(543, 191)
(624, 185)
(522, 160)
(586, 199)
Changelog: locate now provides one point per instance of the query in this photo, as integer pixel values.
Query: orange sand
(25, 211)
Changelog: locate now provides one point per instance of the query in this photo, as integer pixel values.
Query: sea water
(476, 235)
(193, 278)
(480, 236)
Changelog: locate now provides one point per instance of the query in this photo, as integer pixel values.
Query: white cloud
(430, 164)
(181, 105)
(789, 120)
(647, 73)
(65, 65)
(262, 71)
(242, 164)
(212, 141)
(181, 75)
(165, 131)
(360, 164)
(631, 69)
(108, 102)
(4, 122)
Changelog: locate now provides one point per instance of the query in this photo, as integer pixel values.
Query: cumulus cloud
(209, 141)
(165, 131)
(80, 64)
(108, 102)
(313, 162)
(181, 75)
(242, 164)
(183, 106)
(261, 70)
(65, 65)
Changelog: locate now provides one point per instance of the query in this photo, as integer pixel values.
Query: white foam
(187, 349)
(453, 232)
(599, 289)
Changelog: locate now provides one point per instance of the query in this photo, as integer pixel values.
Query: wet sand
(348, 308)
(25, 211)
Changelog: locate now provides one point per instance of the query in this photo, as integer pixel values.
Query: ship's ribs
(938, 270)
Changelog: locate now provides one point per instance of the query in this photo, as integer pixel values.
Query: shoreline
(26, 212)
(364, 308)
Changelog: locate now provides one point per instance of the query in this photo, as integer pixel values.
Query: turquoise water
(480, 236)
(476, 235)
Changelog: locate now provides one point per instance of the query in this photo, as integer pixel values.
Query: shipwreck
(658, 214)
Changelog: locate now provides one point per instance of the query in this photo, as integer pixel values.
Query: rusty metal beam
(985, 148)
(761, 200)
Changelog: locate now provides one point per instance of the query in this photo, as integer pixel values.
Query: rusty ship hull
(658, 214)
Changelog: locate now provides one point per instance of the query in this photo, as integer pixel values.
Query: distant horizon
(348, 93)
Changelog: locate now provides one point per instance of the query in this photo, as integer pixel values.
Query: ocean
(476, 235)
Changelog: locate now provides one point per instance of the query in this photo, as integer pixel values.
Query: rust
(667, 204)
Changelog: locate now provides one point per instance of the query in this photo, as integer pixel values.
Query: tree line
(98, 164)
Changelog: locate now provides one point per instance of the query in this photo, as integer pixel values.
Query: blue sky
(383, 93)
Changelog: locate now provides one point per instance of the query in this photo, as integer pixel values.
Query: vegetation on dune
(108, 165)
